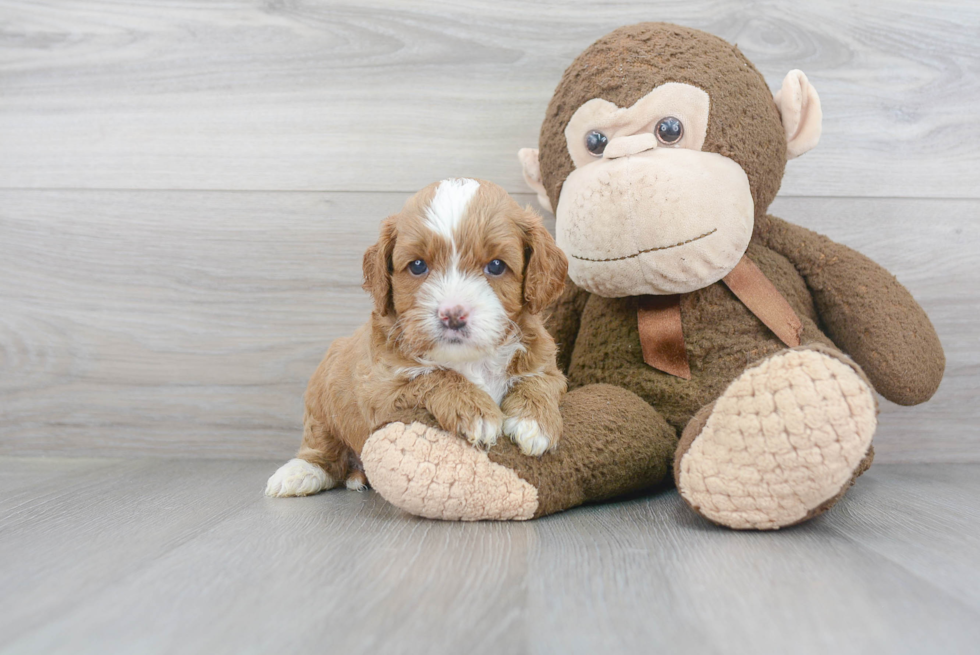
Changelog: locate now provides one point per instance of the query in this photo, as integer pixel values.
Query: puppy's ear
(377, 268)
(545, 265)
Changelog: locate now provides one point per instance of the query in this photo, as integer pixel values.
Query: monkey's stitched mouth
(643, 252)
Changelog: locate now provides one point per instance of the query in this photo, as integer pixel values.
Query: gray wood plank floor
(177, 556)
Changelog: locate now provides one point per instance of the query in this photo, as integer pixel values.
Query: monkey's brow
(643, 252)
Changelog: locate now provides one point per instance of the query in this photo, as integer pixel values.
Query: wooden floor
(183, 556)
(186, 191)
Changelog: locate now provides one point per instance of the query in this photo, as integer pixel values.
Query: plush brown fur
(370, 379)
(628, 63)
(844, 300)
(614, 443)
(622, 417)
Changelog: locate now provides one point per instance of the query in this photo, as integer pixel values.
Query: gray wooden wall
(186, 188)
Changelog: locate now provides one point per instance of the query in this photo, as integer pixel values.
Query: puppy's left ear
(545, 265)
(377, 268)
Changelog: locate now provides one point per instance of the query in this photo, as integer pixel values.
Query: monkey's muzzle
(653, 220)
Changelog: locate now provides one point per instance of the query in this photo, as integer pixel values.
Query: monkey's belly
(721, 334)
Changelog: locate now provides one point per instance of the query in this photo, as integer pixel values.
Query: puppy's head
(456, 269)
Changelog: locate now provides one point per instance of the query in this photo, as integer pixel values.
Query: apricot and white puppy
(459, 278)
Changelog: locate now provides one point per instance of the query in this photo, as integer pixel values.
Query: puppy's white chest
(488, 374)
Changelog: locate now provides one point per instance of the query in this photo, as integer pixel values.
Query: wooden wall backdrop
(186, 188)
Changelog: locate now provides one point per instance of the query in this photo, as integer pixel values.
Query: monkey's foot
(428, 472)
(782, 444)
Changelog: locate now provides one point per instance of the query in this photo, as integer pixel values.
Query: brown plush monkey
(702, 338)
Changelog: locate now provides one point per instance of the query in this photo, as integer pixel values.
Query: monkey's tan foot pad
(782, 443)
(429, 472)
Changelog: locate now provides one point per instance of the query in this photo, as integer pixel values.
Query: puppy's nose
(453, 318)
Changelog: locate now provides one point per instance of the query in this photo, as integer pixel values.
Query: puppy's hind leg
(322, 462)
(356, 481)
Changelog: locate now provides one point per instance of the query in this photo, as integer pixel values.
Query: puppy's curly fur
(459, 278)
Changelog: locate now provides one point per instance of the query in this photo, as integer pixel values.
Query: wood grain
(893, 515)
(187, 323)
(659, 579)
(385, 95)
(64, 537)
(202, 314)
(166, 556)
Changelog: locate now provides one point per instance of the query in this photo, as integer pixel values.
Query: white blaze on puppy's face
(448, 207)
(466, 319)
(454, 272)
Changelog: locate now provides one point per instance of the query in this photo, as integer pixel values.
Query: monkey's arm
(866, 312)
(563, 322)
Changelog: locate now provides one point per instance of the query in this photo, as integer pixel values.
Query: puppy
(459, 278)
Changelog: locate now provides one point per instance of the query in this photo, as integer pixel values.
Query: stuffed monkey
(705, 342)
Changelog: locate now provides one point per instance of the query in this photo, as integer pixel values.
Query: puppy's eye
(495, 268)
(418, 267)
(595, 142)
(669, 130)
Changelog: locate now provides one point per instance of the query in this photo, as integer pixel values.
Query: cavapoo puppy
(459, 278)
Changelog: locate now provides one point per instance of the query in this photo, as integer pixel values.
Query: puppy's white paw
(527, 434)
(483, 432)
(297, 477)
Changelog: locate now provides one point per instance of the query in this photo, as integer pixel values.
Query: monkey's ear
(546, 265)
(532, 175)
(377, 268)
(799, 108)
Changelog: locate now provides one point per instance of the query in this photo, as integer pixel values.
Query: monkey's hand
(866, 312)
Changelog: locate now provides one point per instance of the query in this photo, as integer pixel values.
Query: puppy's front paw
(297, 477)
(528, 435)
(482, 431)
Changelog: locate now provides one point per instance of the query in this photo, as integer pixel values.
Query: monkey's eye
(596, 142)
(495, 268)
(418, 267)
(669, 130)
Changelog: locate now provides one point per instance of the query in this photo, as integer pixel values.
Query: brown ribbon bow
(659, 318)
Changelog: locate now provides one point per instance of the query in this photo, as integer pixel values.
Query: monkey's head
(660, 147)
